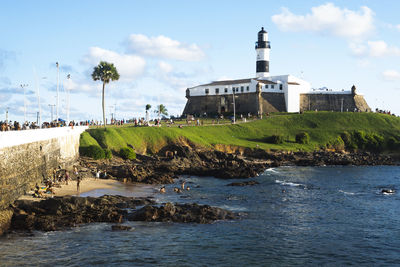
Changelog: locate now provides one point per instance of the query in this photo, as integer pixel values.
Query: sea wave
(289, 183)
(232, 208)
(347, 193)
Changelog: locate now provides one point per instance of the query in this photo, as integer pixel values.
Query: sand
(87, 184)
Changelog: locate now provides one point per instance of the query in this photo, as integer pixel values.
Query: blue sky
(162, 47)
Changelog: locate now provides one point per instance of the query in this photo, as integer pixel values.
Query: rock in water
(119, 227)
(61, 212)
(184, 213)
(243, 183)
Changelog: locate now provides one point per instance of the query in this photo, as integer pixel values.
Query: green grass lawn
(322, 128)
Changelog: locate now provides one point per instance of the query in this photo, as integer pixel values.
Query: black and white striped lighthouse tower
(262, 48)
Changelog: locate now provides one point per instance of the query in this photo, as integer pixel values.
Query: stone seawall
(333, 102)
(26, 157)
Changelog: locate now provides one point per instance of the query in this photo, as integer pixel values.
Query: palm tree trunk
(104, 113)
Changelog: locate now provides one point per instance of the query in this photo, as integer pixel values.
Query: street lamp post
(68, 78)
(52, 106)
(7, 114)
(23, 86)
(341, 107)
(58, 82)
(234, 105)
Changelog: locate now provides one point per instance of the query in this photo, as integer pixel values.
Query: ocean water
(303, 216)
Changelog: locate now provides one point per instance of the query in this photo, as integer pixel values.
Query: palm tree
(105, 72)
(148, 106)
(161, 109)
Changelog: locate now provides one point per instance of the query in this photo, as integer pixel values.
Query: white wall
(200, 90)
(15, 138)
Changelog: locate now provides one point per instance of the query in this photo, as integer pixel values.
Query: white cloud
(6, 56)
(329, 18)
(391, 75)
(165, 67)
(177, 80)
(374, 49)
(164, 47)
(398, 27)
(128, 66)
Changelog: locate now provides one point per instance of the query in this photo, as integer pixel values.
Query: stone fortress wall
(333, 102)
(26, 157)
(272, 102)
(244, 104)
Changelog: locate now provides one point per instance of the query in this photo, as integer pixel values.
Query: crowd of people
(388, 112)
(60, 177)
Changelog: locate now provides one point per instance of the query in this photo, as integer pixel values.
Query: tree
(148, 106)
(161, 109)
(105, 72)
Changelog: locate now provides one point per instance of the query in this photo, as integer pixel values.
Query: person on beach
(183, 185)
(76, 171)
(66, 177)
(78, 183)
(97, 175)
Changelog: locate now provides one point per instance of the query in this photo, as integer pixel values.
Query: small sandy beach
(87, 184)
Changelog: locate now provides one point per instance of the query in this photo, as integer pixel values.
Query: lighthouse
(262, 49)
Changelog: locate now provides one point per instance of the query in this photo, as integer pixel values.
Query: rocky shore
(169, 164)
(63, 212)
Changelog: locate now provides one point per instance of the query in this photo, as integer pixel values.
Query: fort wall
(244, 104)
(333, 102)
(272, 102)
(27, 157)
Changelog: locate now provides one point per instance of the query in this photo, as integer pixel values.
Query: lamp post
(58, 82)
(23, 86)
(52, 106)
(68, 78)
(7, 114)
(341, 107)
(234, 105)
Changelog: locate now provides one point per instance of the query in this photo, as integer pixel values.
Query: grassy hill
(325, 129)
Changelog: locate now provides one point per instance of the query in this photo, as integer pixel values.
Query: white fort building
(266, 93)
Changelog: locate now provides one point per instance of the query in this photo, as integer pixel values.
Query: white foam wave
(271, 170)
(347, 193)
(232, 208)
(287, 183)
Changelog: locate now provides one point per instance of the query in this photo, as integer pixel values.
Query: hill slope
(322, 127)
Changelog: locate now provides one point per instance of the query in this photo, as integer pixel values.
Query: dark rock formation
(120, 227)
(61, 212)
(162, 170)
(183, 213)
(189, 161)
(243, 183)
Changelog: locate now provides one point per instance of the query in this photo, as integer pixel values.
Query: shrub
(393, 143)
(359, 139)
(375, 142)
(302, 138)
(337, 144)
(348, 141)
(127, 153)
(107, 153)
(275, 139)
(92, 151)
